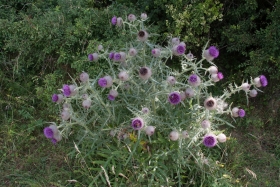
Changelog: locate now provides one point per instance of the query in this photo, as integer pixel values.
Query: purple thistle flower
(90, 57)
(156, 52)
(213, 51)
(114, 20)
(102, 82)
(174, 98)
(48, 132)
(209, 140)
(66, 90)
(54, 141)
(220, 75)
(178, 50)
(241, 113)
(117, 57)
(111, 55)
(137, 123)
(263, 81)
(194, 80)
(54, 97)
(111, 98)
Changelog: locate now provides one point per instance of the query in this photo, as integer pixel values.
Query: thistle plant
(154, 122)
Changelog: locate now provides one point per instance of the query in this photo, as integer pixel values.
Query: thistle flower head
(93, 57)
(143, 35)
(263, 81)
(156, 52)
(84, 77)
(113, 94)
(114, 20)
(90, 57)
(111, 55)
(222, 138)
(257, 82)
(131, 17)
(213, 70)
(234, 112)
(183, 96)
(123, 57)
(119, 22)
(217, 76)
(100, 47)
(57, 98)
(145, 110)
(86, 103)
(185, 134)
(145, 73)
(117, 57)
(209, 140)
(211, 53)
(205, 124)
(137, 123)
(66, 90)
(194, 80)
(241, 113)
(189, 93)
(253, 93)
(171, 80)
(174, 98)
(245, 86)
(143, 16)
(132, 52)
(123, 76)
(210, 103)
(178, 50)
(150, 130)
(174, 135)
(65, 115)
(48, 132)
(105, 82)
(190, 56)
(175, 41)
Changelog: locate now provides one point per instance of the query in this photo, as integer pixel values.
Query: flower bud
(145, 73)
(183, 96)
(94, 57)
(119, 22)
(222, 138)
(190, 56)
(112, 95)
(205, 124)
(85, 96)
(137, 123)
(257, 82)
(132, 52)
(189, 92)
(174, 135)
(234, 112)
(123, 57)
(213, 70)
(65, 115)
(84, 77)
(185, 134)
(175, 41)
(156, 52)
(145, 110)
(123, 76)
(253, 93)
(150, 130)
(143, 35)
(171, 80)
(131, 17)
(144, 16)
(57, 98)
(86, 103)
(194, 80)
(245, 86)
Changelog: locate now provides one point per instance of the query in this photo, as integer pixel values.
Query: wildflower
(222, 137)
(185, 134)
(119, 22)
(105, 82)
(190, 56)
(57, 98)
(72, 90)
(241, 113)
(66, 90)
(111, 55)
(253, 93)
(217, 76)
(85, 96)
(174, 135)
(205, 124)
(150, 130)
(112, 95)
(209, 140)
(86, 103)
(132, 52)
(263, 81)
(114, 20)
(189, 92)
(131, 17)
(100, 47)
(84, 77)
(183, 96)
(144, 16)
(210, 103)
(48, 132)
(194, 80)
(123, 57)
(56, 138)
(123, 76)
(175, 41)
(93, 57)
(211, 53)
(245, 86)
(145, 73)
(65, 115)
(257, 82)
(213, 70)
(183, 44)
(143, 35)
(171, 80)
(178, 50)
(137, 123)
(236, 112)
(145, 110)
(117, 57)
(156, 52)
(174, 98)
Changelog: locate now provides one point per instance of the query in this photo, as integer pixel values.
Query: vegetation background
(43, 42)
